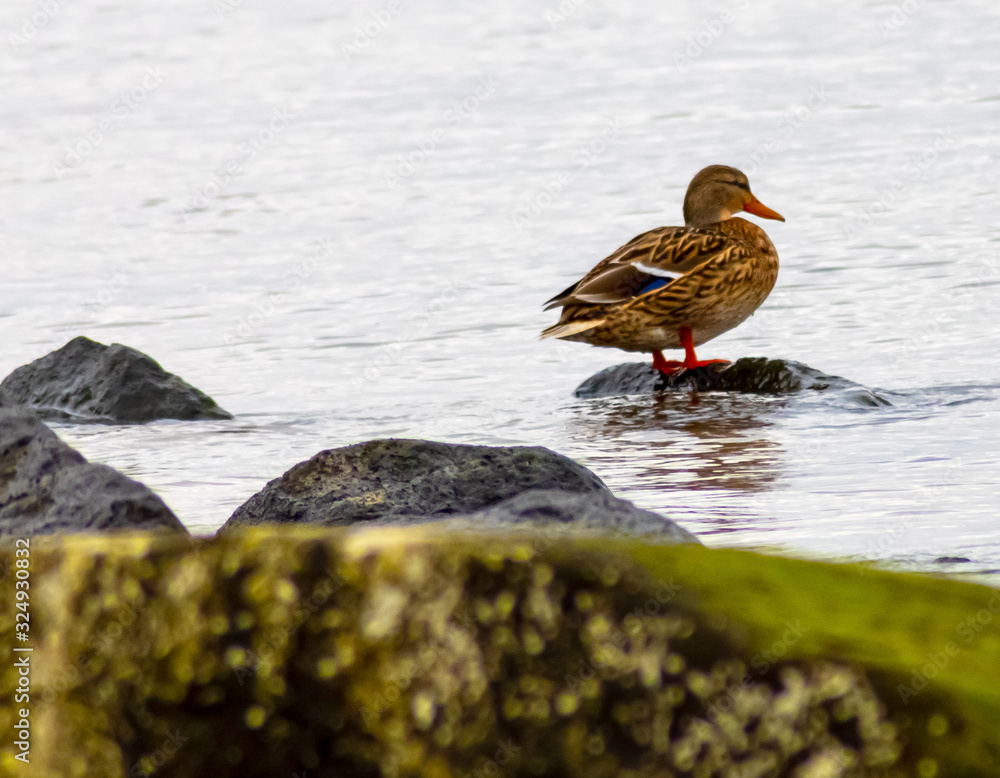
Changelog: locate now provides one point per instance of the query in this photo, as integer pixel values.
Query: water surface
(344, 235)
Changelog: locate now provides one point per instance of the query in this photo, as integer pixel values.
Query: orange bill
(757, 208)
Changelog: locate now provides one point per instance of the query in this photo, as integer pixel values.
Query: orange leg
(671, 367)
(690, 360)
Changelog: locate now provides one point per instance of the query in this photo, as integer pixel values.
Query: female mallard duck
(677, 287)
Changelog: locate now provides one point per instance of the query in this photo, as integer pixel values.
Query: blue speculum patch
(659, 282)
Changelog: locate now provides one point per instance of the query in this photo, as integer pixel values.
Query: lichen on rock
(413, 652)
(402, 481)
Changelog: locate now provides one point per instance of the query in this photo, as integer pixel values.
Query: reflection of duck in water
(677, 287)
(716, 443)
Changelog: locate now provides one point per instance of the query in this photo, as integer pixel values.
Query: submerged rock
(407, 480)
(86, 381)
(46, 487)
(749, 375)
(289, 651)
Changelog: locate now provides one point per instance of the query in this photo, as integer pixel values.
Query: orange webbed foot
(691, 362)
(666, 366)
(704, 362)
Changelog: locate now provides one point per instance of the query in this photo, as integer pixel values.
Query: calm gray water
(341, 220)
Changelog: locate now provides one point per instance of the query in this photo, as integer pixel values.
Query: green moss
(275, 651)
(920, 637)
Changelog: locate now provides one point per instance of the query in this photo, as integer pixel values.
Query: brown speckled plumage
(724, 270)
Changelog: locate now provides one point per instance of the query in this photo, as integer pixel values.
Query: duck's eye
(742, 185)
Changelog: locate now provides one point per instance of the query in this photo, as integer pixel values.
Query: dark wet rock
(47, 487)
(548, 508)
(749, 375)
(86, 381)
(951, 560)
(406, 480)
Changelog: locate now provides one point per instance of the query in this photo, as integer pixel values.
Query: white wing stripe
(656, 271)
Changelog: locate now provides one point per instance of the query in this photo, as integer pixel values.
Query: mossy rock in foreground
(406, 652)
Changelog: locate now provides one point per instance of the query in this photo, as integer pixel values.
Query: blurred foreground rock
(410, 652)
(46, 486)
(402, 481)
(86, 381)
(749, 375)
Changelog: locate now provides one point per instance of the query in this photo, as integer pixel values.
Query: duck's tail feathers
(570, 328)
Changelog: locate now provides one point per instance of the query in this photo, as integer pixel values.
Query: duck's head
(719, 192)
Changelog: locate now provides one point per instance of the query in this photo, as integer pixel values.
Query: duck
(677, 287)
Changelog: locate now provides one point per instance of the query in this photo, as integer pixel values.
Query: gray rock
(46, 487)
(553, 510)
(86, 381)
(749, 375)
(406, 480)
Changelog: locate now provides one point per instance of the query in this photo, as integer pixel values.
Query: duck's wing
(645, 263)
(711, 280)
